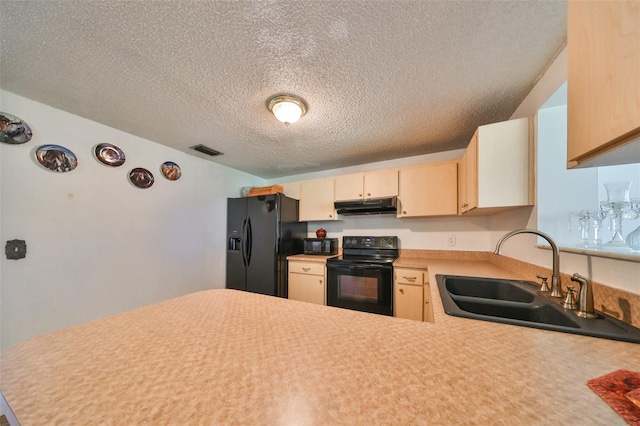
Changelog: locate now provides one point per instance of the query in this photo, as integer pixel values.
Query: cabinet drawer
(312, 268)
(409, 276)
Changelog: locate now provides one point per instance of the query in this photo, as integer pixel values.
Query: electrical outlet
(451, 240)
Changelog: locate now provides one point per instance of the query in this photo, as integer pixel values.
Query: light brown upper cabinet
(603, 99)
(316, 200)
(358, 186)
(428, 190)
(291, 189)
(496, 171)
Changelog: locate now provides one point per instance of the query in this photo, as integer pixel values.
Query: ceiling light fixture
(287, 108)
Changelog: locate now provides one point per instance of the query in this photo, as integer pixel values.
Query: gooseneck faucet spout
(556, 286)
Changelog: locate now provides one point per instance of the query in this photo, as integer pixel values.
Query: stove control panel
(370, 242)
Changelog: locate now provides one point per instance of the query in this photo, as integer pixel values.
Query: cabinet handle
(330, 215)
(426, 302)
(306, 269)
(410, 278)
(360, 195)
(404, 212)
(368, 194)
(401, 290)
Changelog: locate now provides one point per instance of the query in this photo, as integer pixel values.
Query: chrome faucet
(585, 297)
(556, 285)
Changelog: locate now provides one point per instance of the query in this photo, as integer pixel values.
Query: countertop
(225, 356)
(557, 364)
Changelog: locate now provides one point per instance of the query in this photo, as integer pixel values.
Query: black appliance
(321, 246)
(362, 278)
(261, 232)
(369, 206)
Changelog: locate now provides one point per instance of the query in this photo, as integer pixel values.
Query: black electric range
(362, 277)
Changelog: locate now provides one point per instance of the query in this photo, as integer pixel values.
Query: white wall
(562, 190)
(380, 165)
(578, 188)
(96, 244)
(416, 233)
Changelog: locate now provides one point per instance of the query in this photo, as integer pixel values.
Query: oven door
(361, 287)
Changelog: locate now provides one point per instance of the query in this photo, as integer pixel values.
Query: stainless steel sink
(519, 303)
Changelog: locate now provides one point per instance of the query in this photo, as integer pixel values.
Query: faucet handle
(570, 302)
(544, 286)
(585, 297)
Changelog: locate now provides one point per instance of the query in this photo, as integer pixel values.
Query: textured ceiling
(382, 79)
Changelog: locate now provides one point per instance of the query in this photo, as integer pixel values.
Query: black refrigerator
(261, 232)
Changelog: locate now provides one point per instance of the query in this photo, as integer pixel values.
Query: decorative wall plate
(142, 178)
(56, 158)
(171, 170)
(13, 130)
(109, 154)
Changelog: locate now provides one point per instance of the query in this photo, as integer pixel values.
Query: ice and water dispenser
(235, 244)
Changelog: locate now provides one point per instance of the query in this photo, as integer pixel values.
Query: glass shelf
(622, 253)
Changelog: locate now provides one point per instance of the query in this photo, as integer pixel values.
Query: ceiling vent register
(206, 150)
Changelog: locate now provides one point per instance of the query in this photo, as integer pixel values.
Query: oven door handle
(358, 267)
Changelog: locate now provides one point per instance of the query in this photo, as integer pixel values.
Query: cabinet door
(429, 190)
(408, 301)
(349, 187)
(496, 170)
(316, 200)
(603, 105)
(380, 184)
(504, 164)
(307, 288)
(292, 190)
(468, 176)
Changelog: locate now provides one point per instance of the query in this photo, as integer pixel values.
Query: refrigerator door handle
(243, 245)
(249, 241)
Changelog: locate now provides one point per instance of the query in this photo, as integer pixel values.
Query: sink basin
(519, 303)
(488, 289)
(537, 313)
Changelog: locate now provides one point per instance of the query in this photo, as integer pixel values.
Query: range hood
(371, 206)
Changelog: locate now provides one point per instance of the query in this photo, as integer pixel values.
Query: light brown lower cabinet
(412, 295)
(307, 282)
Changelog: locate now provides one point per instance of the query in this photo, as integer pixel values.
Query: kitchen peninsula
(225, 356)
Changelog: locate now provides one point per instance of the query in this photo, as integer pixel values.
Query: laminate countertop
(230, 357)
